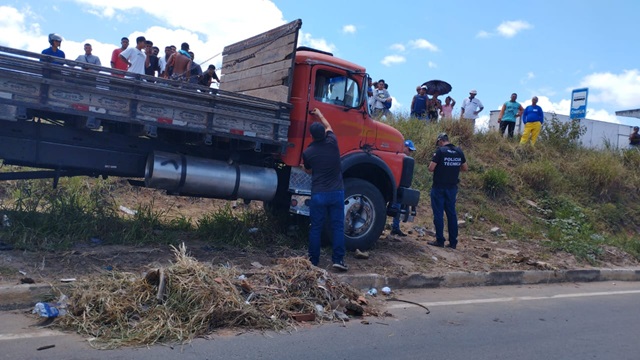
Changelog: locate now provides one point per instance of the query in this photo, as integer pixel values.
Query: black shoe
(435, 243)
(398, 232)
(451, 246)
(340, 266)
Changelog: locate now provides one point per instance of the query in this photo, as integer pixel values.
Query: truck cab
(376, 172)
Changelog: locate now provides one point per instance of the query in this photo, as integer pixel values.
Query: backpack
(387, 104)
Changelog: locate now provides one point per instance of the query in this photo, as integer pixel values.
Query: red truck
(244, 140)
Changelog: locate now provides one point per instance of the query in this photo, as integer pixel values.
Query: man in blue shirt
(322, 161)
(55, 41)
(532, 118)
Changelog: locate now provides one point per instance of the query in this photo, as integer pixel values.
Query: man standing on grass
(322, 161)
(532, 118)
(446, 163)
(508, 114)
(471, 107)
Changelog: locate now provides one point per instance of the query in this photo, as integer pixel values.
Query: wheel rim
(358, 215)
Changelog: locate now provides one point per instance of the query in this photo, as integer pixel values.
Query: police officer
(446, 163)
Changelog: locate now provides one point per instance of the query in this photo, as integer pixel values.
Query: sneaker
(435, 243)
(340, 266)
(398, 232)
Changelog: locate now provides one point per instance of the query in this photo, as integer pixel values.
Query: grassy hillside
(557, 194)
(564, 196)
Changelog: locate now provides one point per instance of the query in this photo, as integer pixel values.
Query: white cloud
(349, 29)
(423, 44)
(506, 29)
(619, 90)
(432, 65)
(398, 47)
(530, 75)
(483, 34)
(511, 28)
(305, 39)
(393, 59)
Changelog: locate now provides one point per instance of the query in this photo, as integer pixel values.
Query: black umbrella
(442, 87)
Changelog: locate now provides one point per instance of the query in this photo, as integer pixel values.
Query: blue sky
(543, 48)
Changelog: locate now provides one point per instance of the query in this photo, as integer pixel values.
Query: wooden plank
(257, 71)
(271, 57)
(259, 39)
(287, 41)
(250, 83)
(275, 93)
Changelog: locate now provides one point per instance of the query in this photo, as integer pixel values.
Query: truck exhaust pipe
(193, 176)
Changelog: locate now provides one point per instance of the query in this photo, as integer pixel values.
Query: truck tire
(365, 214)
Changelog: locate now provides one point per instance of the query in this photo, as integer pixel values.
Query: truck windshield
(336, 89)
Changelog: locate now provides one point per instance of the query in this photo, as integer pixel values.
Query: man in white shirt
(471, 107)
(135, 57)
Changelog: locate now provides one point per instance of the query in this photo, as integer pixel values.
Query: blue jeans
(395, 225)
(444, 200)
(324, 203)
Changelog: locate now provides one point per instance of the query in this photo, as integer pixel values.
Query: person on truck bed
(135, 57)
(195, 71)
(116, 61)
(55, 41)
(162, 63)
(181, 63)
(322, 160)
(151, 64)
(207, 78)
(88, 57)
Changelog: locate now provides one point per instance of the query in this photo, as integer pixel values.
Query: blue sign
(579, 103)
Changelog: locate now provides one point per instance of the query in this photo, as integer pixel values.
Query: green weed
(495, 182)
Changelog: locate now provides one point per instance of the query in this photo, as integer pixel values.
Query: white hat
(423, 87)
(473, 91)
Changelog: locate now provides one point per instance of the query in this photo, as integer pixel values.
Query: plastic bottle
(46, 310)
(51, 310)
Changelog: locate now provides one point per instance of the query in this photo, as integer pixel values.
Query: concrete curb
(493, 278)
(25, 296)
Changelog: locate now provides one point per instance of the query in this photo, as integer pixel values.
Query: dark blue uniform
(449, 159)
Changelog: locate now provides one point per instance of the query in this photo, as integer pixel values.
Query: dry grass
(121, 309)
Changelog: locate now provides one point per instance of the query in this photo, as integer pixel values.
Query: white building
(599, 133)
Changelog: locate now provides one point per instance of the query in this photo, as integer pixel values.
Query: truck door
(339, 96)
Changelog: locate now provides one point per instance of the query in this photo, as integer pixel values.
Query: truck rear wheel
(364, 214)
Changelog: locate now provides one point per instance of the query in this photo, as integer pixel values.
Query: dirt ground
(393, 255)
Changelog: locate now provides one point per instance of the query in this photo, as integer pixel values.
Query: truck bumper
(407, 200)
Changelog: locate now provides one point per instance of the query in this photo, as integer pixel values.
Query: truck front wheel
(364, 214)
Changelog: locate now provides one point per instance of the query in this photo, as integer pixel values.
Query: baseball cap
(442, 136)
(473, 91)
(409, 144)
(317, 131)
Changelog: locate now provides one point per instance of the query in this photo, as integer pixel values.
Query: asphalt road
(565, 321)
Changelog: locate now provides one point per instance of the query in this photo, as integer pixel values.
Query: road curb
(25, 296)
(492, 278)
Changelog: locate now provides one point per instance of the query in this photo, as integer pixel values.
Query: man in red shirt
(116, 61)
